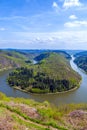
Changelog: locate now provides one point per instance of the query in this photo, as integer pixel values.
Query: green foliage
(52, 74)
(11, 59)
(49, 115)
(37, 90)
(81, 62)
(42, 56)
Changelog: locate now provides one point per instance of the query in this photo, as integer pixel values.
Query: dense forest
(26, 79)
(47, 54)
(81, 60)
(52, 74)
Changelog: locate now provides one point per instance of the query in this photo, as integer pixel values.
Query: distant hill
(42, 56)
(63, 53)
(53, 73)
(81, 60)
(82, 53)
(47, 54)
(10, 59)
(73, 52)
(36, 52)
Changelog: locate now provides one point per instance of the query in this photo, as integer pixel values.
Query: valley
(54, 98)
(53, 111)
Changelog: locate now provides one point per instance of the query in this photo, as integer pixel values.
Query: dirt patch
(6, 123)
(29, 111)
(77, 119)
(84, 128)
(78, 114)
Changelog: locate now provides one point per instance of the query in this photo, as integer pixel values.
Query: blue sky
(43, 24)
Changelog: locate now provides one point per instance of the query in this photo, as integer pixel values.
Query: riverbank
(77, 95)
(47, 93)
(4, 69)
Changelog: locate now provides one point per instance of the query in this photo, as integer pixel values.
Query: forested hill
(58, 67)
(11, 58)
(52, 74)
(81, 60)
(82, 53)
(47, 54)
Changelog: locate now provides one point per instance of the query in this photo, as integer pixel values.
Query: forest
(25, 78)
(81, 60)
(52, 74)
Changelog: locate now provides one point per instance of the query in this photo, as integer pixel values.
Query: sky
(43, 24)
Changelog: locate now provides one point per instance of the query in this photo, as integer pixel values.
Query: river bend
(75, 96)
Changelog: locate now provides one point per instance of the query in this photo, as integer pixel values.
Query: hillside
(46, 54)
(82, 53)
(25, 114)
(81, 60)
(52, 74)
(10, 59)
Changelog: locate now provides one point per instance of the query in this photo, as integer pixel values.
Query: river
(76, 96)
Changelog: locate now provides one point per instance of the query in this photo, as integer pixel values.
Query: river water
(76, 96)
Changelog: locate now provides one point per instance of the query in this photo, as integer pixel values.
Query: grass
(37, 90)
(12, 59)
(29, 125)
(49, 115)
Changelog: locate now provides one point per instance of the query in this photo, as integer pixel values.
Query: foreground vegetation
(25, 114)
(52, 74)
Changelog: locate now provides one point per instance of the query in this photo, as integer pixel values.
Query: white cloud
(76, 24)
(71, 3)
(55, 5)
(54, 40)
(72, 17)
(2, 29)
